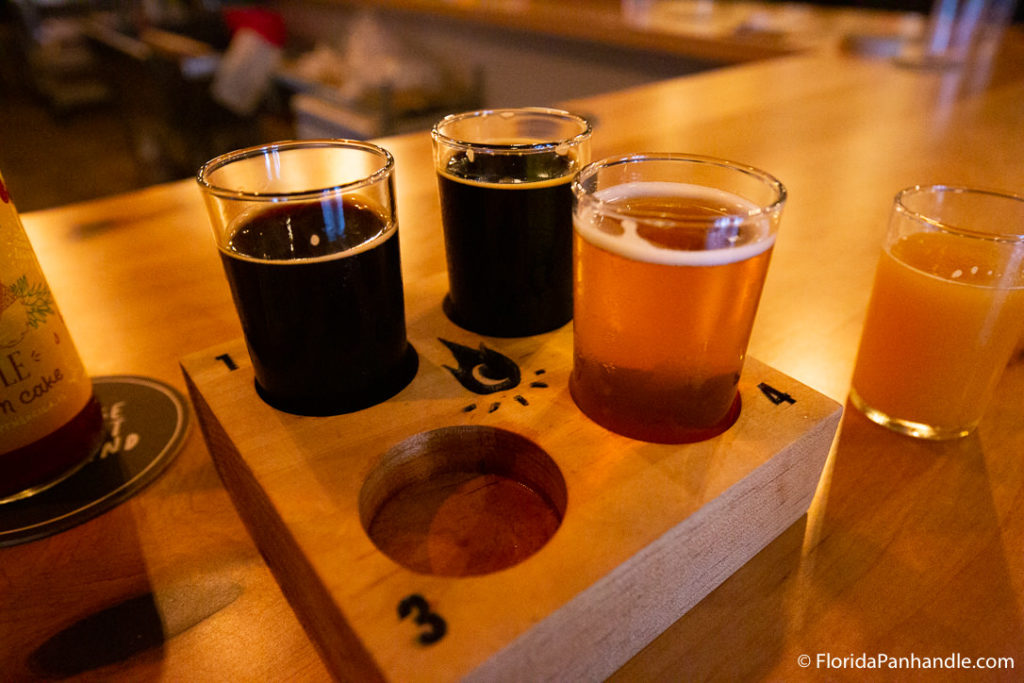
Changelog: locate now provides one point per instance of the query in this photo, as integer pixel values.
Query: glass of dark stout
(308, 235)
(504, 181)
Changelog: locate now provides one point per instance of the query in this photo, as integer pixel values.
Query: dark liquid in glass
(322, 309)
(509, 245)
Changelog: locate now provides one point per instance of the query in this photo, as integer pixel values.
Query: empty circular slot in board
(463, 501)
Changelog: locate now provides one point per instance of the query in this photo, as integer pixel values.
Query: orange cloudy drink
(933, 347)
(670, 254)
(946, 311)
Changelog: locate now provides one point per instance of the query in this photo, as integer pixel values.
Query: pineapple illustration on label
(24, 306)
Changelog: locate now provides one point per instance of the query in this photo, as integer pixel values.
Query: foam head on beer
(675, 224)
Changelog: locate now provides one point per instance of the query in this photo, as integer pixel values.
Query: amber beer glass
(946, 310)
(670, 256)
(308, 236)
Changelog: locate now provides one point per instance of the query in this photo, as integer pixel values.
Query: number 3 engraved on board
(774, 395)
(424, 617)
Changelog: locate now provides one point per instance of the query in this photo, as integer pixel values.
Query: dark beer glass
(506, 204)
(308, 237)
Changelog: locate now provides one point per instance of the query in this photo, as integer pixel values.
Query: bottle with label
(50, 422)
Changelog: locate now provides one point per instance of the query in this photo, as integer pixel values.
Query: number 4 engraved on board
(774, 395)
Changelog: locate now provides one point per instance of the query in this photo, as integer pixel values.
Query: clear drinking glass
(959, 30)
(670, 257)
(308, 236)
(946, 311)
(503, 178)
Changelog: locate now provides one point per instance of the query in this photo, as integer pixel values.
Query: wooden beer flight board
(523, 542)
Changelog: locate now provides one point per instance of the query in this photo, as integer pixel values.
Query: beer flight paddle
(474, 522)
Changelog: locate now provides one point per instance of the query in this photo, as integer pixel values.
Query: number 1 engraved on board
(436, 625)
(227, 360)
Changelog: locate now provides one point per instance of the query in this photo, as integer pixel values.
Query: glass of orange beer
(946, 311)
(670, 254)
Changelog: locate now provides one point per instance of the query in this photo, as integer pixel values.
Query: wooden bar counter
(910, 549)
(600, 21)
(731, 32)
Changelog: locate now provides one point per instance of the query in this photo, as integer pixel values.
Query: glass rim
(218, 162)
(519, 147)
(605, 208)
(900, 205)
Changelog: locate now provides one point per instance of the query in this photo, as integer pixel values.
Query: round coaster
(146, 422)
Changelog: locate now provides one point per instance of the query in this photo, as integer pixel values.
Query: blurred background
(103, 96)
(99, 97)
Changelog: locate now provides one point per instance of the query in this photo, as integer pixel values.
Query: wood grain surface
(647, 532)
